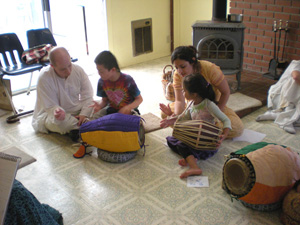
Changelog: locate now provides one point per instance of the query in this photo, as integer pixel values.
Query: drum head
(142, 134)
(237, 177)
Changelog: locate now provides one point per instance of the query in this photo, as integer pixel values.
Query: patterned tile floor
(145, 190)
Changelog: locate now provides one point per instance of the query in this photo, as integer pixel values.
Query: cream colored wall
(120, 13)
(186, 12)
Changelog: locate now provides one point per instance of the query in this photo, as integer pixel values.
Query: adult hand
(81, 119)
(165, 109)
(96, 106)
(59, 114)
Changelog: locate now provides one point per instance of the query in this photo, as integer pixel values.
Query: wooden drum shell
(198, 134)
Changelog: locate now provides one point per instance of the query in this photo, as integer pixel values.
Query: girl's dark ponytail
(196, 83)
(210, 92)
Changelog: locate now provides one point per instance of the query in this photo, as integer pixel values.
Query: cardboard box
(4, 99)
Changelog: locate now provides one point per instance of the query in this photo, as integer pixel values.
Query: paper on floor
(197, 181)
(250, 136)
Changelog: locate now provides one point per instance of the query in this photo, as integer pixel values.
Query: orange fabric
(113, 141)
(236, 123)
(213, 75)
(263, 194)
(211, 72)
(80, 152)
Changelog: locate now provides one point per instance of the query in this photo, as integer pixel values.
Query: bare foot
(190, 172)
(182, 162)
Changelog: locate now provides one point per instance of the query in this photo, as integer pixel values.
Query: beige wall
(186, 12)
(120, 13)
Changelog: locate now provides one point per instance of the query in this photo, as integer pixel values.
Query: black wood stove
(220, 41)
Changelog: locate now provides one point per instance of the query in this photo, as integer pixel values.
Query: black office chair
(36, 37)
(12, 65)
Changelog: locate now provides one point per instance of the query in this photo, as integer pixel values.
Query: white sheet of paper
(250, 136)
(197, 181)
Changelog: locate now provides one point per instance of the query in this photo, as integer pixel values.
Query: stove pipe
(219, 10)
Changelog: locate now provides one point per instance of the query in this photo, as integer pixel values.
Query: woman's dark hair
(196, 83)
(186, 53)
(107, 59)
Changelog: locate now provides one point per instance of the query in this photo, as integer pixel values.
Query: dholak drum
(121, 157)
(260, 175)
(198, 134)
(115, 133)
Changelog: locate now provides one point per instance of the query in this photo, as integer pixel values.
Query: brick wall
(259, 16)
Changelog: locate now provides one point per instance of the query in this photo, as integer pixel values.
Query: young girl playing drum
(201, 107)
(184, 59)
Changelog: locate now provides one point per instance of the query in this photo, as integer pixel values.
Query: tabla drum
(198, 134)
(260, 175)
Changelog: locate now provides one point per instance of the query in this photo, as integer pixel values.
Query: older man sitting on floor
(284, 100)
